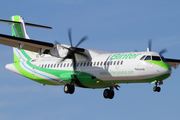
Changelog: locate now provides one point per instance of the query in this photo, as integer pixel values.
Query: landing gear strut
(156, 88)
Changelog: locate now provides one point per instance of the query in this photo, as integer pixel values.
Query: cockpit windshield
(149, 57)
(156, 58)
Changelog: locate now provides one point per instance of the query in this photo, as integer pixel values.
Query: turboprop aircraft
(68, 65)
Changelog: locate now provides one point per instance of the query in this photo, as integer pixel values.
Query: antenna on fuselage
(149, 45)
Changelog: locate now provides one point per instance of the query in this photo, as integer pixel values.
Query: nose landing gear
(156, 88)
(109, 93)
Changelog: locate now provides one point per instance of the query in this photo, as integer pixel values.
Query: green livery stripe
(30, 75)
(160, 63)
(16, 59)
(25, 54)
(17, 26)
(32, 52)
(149, 80)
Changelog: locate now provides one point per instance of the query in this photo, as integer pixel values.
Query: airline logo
(124, 56)
(34, 60)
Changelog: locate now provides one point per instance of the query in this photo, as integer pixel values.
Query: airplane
(68, 65)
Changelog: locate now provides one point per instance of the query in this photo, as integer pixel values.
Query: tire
(66, 88)
(158, 89)
(106, 93)
(111, 95)
(71, 89)
(154, 88)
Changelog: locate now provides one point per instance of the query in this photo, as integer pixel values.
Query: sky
(111, 25)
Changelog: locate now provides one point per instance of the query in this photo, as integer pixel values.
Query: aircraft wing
(27, 44)
(173, 62)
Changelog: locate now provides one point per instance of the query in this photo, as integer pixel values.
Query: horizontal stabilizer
(27, 24)
(27, 44)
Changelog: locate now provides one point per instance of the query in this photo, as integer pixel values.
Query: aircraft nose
(167, 68)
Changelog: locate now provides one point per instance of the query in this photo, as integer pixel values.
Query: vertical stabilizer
(19, 30)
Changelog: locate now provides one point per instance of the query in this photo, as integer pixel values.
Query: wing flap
(173, 62)
(27, 44)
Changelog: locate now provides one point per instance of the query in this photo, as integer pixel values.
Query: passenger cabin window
(94, 63)
(156, 58)
(91, 63)
(81, 64)
(148, 58)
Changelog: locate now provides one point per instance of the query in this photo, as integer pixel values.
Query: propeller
(150, 45)
(163, 51)
(74, 50)
(150, 48)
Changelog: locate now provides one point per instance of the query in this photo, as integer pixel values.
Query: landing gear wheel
(69, 89)
(154, 88)
(111, 95)
(66, 88)
(158, 89)
(106, 93)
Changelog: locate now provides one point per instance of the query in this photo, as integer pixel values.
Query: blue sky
(112, 25)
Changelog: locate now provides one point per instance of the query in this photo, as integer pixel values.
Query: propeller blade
(65, 58)
(150, 44)
(69, 34)
(80, 49)
(163, 51)
(82, 40)
(65, 47)
(74, 62)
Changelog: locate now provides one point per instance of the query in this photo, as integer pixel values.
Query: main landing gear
(69, 89)
(156, 88)
(109, 93)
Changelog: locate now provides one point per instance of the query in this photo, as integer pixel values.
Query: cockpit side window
(156, 58)
(148, 58)
(142, 58)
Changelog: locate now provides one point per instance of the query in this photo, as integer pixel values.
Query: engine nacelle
(59, 50)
